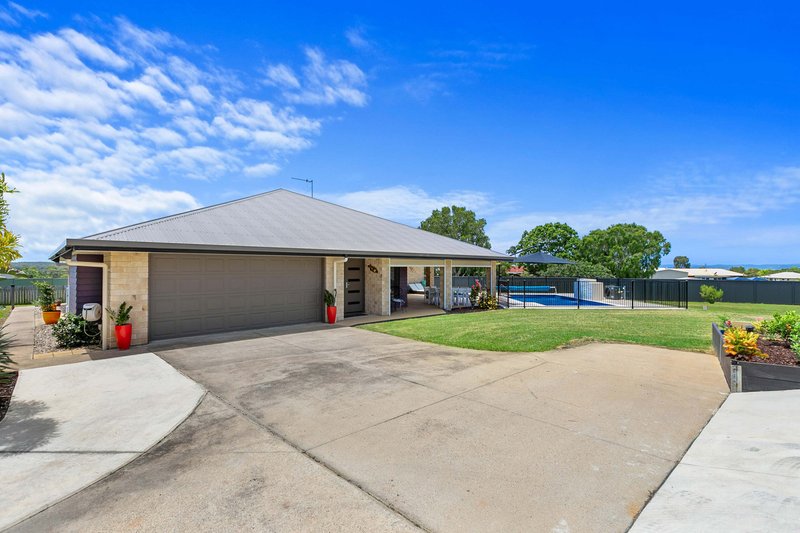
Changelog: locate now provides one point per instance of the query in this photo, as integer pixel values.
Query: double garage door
(195, 294)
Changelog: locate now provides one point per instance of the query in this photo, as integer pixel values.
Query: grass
(535, 330)
(5, 310)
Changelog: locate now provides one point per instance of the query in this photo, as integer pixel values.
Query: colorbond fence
(751, 292)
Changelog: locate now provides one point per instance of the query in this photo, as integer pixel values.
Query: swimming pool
(552, 300)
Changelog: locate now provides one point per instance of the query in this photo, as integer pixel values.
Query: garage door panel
(193, 294)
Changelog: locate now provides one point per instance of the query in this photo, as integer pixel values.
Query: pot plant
(46, 300)
(122, 324)
(330, 304)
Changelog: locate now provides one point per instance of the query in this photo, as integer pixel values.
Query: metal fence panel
(747, 291)
(577, 293)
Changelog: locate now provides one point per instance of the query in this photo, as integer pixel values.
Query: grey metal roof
(281, 222)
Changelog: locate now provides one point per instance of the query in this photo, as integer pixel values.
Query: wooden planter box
(744, 376)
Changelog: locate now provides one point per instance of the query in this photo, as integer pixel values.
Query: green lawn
(5, 310)
(535, 330)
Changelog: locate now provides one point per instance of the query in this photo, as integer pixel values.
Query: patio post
(447, 285)
(491, 278)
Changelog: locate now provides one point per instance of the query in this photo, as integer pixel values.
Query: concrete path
(20, 326)
(70, 425)
(741, 474)
(348, 430)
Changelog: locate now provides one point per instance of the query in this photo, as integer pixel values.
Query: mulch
(6, 390)
(779, 353)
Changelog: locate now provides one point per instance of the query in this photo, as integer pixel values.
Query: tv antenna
(307, 181)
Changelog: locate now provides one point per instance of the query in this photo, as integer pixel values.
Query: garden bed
(6, 390)
(780, 371)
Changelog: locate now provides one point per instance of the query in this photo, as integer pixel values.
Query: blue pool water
(554, 300)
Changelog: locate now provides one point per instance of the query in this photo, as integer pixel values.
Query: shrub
(710, 294)
(724, 321)
(794, 343)
(330, 297)
(783, 325)
(46, 298)
(480, 297)
(740, 344)
(6, 370)
(72, 331)
(122, 316)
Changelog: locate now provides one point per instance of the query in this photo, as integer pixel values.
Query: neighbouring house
(694, 273)
(256, 262)
(783, 276)
(516, 270)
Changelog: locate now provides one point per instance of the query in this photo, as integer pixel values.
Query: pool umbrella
(542, 258)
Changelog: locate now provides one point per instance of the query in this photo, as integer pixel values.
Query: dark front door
(354, 287)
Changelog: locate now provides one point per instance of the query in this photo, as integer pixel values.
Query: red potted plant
(122, 328)
(330, 303)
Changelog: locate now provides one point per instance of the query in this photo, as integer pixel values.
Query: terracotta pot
(51, 317)
(331, 314)
(123, 334)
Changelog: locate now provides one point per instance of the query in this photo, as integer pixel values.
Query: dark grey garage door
(197, 294)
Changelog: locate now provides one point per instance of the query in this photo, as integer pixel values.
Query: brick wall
(128, 282)
(377, 286)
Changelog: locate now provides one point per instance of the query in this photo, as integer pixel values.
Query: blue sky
(681, 117)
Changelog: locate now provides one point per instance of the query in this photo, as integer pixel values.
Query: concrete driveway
(345, 429)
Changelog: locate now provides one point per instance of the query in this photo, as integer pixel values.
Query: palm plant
(6, 370)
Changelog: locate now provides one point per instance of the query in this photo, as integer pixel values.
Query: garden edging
(746, 376)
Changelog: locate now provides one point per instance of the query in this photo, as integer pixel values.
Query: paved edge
(742, 472)
(201, 394)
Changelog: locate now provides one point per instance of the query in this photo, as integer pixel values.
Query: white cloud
(100, 129)
(682, 206)
(411, 205)
(261, 170)
(15, 13)
(323, 82)
(357, 37)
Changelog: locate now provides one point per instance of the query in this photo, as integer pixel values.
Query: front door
(354, 287)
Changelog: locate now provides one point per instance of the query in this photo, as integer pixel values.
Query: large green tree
(627, 250)
(578, 269)
(458, 223)
(554, 238)
(9, 241)
(681, 261)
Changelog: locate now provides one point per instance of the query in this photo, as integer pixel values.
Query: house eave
(71, 245)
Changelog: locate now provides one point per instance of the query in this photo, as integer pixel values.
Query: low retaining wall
(744, 376)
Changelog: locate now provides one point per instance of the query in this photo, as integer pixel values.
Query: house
(694, 273)
(783, 276)
(256, 262)
(516, 270)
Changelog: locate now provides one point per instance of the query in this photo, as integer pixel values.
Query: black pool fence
(577, 293)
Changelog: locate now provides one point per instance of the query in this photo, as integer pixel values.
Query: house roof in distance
(279, 222)
(783, 275)
(705, 272)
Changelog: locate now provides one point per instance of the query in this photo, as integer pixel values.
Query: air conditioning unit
(92, 312)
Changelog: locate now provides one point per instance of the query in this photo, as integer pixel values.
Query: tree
(579, 269)
(9, 241)
(627, 250)
(710, 294)
(458, 223)
(681, 261)
(554, 238)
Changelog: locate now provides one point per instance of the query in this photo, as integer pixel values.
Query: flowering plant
(480, 297)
